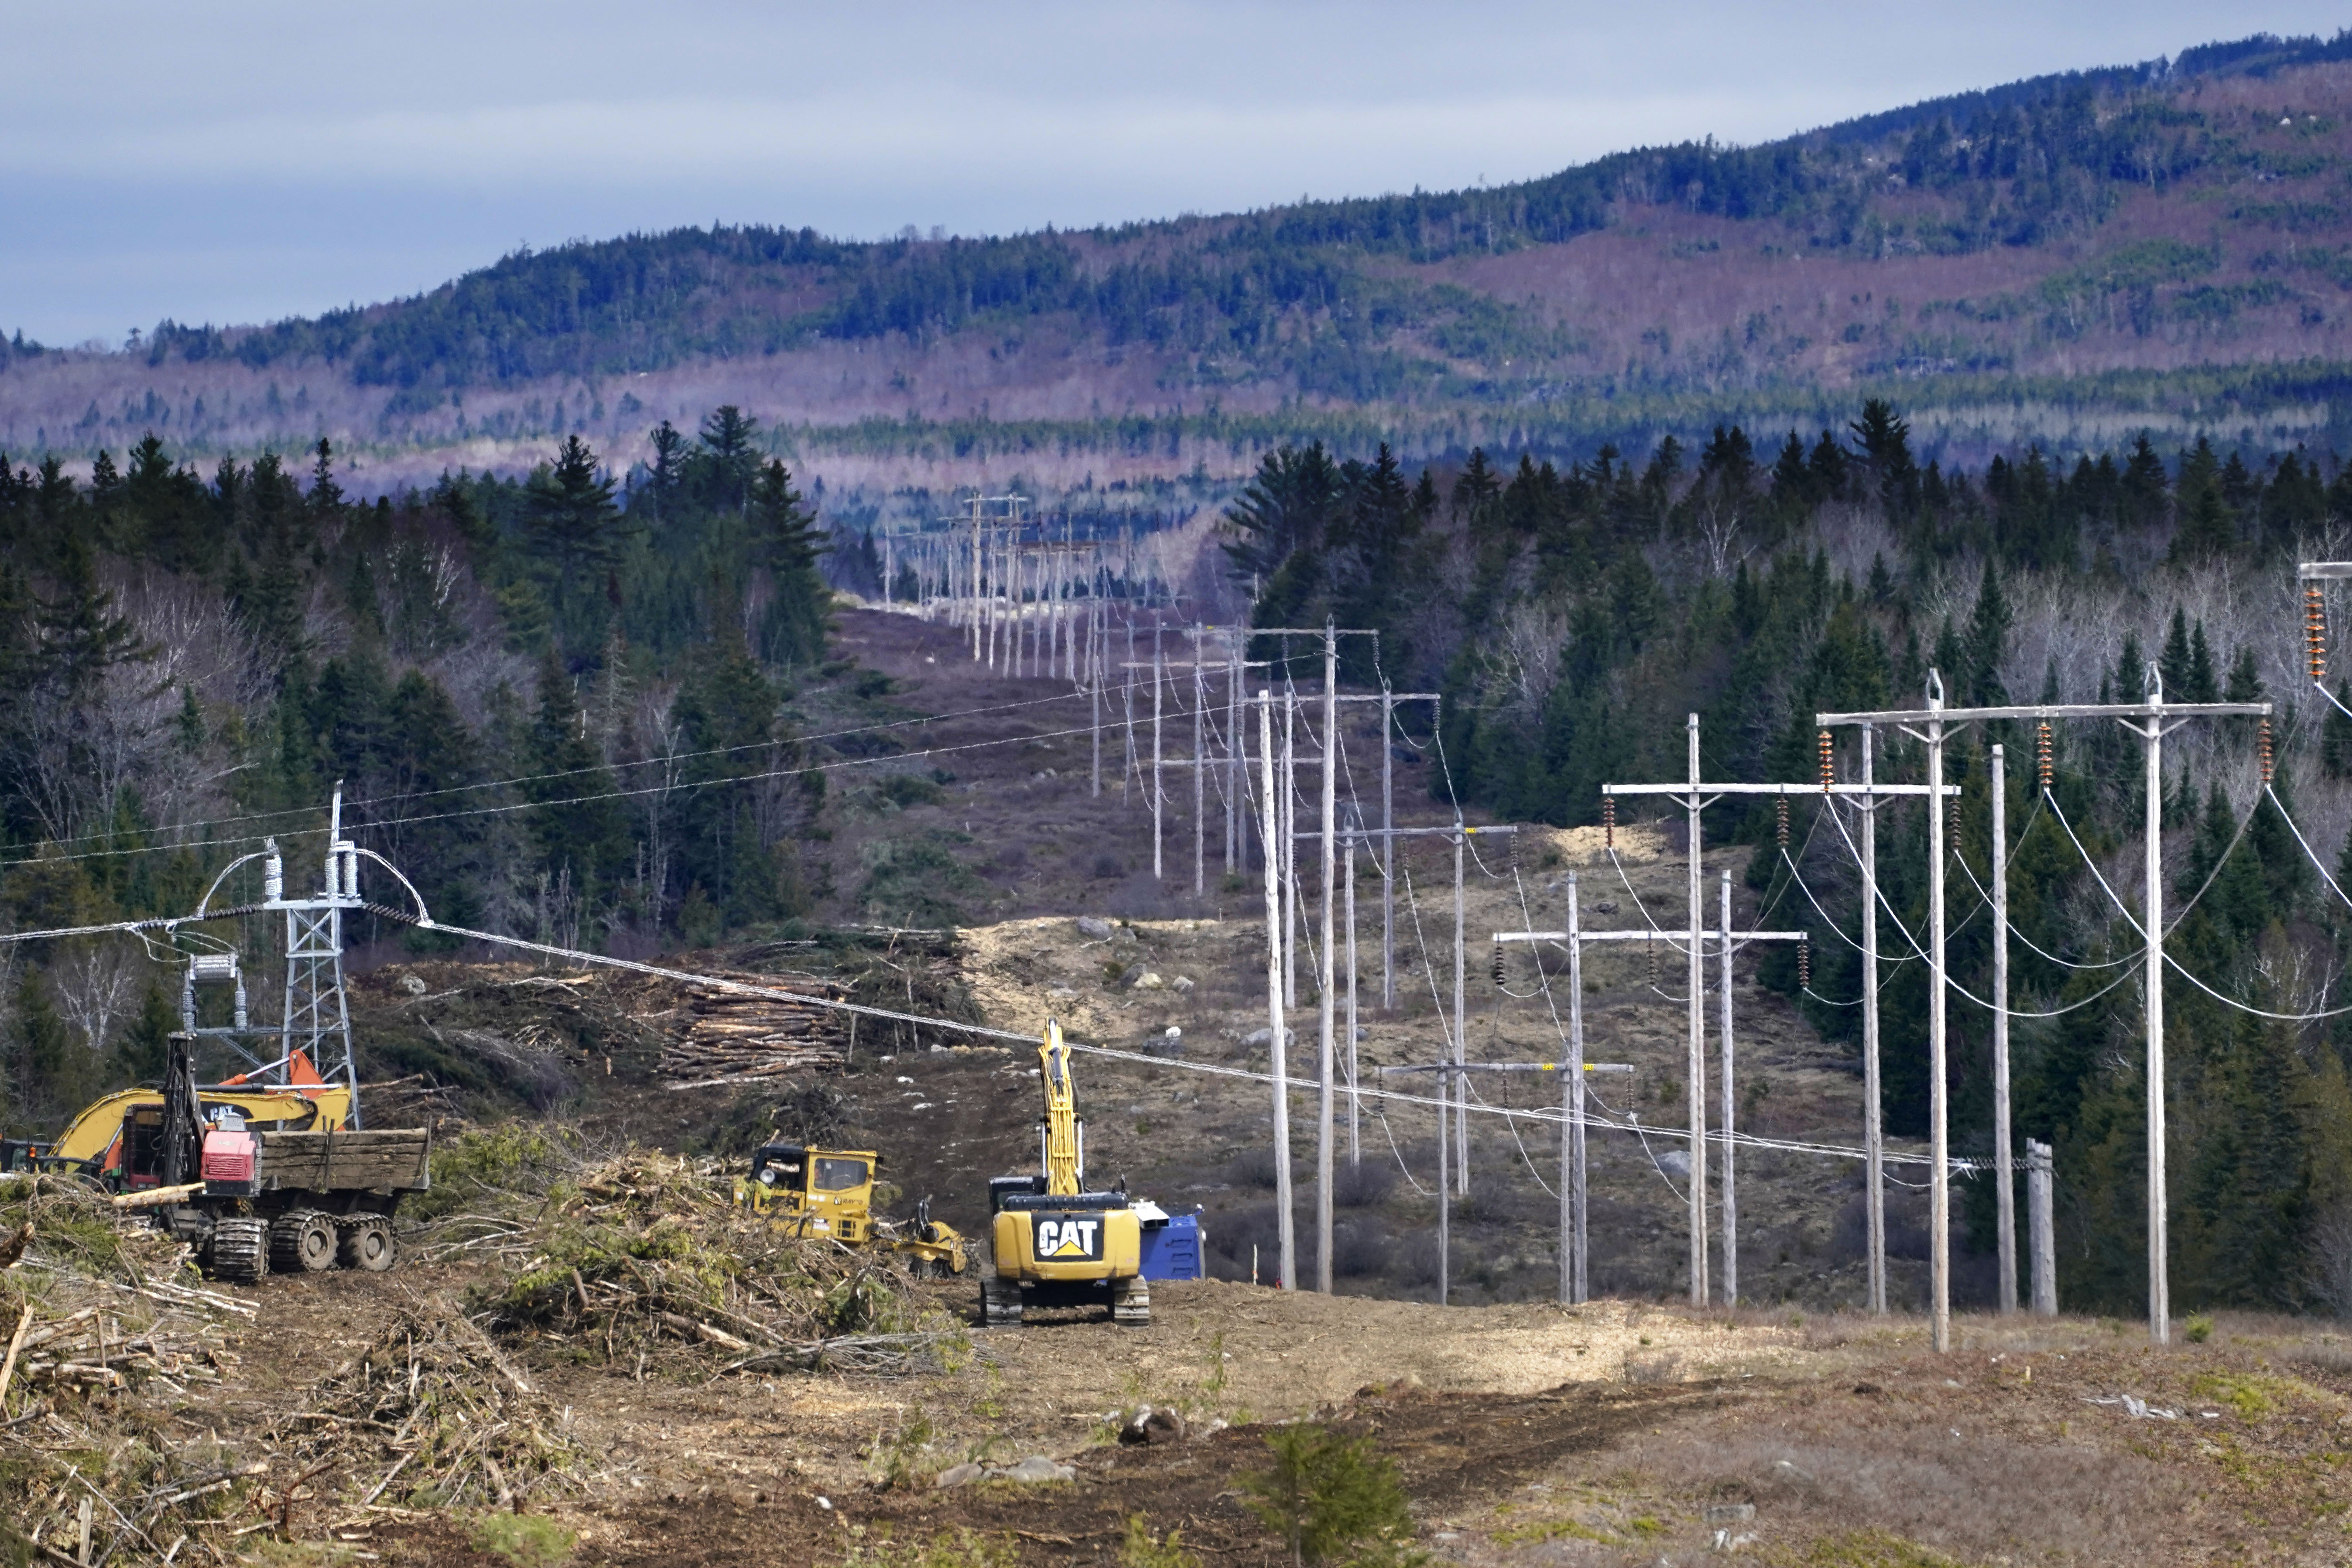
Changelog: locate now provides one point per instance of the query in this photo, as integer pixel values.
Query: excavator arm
(1060, 1124)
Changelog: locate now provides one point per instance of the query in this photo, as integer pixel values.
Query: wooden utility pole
(1275, 1044)
(1157, 794)
(1388, 850)
(1289, 844)
(1326, 1058)
(1695, 796)
(1730, 1147)
(2004, 1179)
(1873, 1114)
(1199, 772)
(2151, 720)
(1575, 1276)
(1461, 1020)
(1348, 881)
(1939, 1086)
(2042, 1248)
(1572, 1241)
(1574, 939)
(1237, 761)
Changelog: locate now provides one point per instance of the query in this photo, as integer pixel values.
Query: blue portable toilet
(1171, 1243)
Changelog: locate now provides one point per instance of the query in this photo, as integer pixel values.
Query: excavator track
(240, 1251)
(1130, 1301)
(1000, 1302)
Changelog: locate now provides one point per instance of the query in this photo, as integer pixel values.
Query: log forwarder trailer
(255, 1178)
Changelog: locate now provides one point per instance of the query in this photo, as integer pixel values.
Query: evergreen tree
(326, 497)
(573, 529)
(793, 630)
(729, 461)
(1284, 508)
(581, 832)
(1987, 643)
(735, 849)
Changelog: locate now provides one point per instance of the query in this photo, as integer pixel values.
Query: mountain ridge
(2164, 218)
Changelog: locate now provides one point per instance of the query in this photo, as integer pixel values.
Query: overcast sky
(251, 159)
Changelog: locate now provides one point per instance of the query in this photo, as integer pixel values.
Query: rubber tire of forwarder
(302, 1241)
(368, 1244)
(1000, 1302)
(239, 1251)
(1130, 1301)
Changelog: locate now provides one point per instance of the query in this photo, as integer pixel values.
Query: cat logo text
(1071, 1240)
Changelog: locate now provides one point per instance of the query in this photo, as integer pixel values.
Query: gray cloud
(242, 160)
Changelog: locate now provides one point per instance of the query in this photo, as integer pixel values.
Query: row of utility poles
(1933, 725)
(1085, 655)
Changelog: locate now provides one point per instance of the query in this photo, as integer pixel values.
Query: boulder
(1260, 1038)
(1148, 980)
(957, 1475)
(1094, 930)
(1181, 985)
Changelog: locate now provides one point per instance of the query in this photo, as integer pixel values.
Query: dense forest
(192, 665)
(1573, 616)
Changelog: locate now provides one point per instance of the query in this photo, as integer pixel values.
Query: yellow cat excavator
(1057, 1245)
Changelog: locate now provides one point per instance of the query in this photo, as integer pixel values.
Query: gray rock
(1675, 1162)
(1094, 930)
(412, 984)
(1037, 1468)
(1122, 934)
(1181, 985)
(1265, 1038)
(1730, 1512)
(957, 1475)
(1148, 980)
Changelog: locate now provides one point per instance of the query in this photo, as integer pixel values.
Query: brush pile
(729, 1033)
(647, 1261)
(430, 1416)
(102, 1324)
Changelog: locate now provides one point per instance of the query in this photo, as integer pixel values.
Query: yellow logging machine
(829, 1193)
(1055, 1244)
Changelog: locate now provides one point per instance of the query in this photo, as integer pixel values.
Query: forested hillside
(561, 709)
(2068, 259)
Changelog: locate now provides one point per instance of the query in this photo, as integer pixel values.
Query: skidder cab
(1055, 1244)
(829, 1194)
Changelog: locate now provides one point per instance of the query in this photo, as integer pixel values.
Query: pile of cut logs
(733, 1034)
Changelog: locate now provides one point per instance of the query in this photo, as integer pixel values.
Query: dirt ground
(1615, 1433)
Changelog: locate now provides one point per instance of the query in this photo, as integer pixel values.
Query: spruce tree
(786, 533)
(579, 830)
(1988, 643)
(572, 522)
